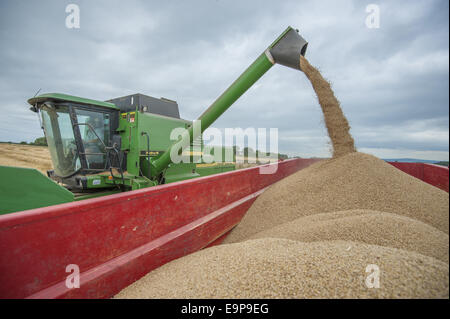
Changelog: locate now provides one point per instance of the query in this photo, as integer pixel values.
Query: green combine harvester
(100, 148)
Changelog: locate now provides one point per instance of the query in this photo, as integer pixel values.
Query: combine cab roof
(58, 97)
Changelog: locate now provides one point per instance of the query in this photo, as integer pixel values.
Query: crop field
(30, 156)
(38, 157)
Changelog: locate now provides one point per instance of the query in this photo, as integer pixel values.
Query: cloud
(392, 82)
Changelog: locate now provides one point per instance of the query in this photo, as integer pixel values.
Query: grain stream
(337, 125)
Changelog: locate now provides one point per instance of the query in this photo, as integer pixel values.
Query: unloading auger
(285, 50)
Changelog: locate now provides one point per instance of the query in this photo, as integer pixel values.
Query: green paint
(58, 97)
(217, 168)
(280, 37)
(27, 188)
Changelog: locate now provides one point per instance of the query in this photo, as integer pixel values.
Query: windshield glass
(60, 140)
(94, 126)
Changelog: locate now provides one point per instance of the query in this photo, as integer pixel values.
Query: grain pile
(353, 181)
(314, 233)
(29, 156)
(281, 268)
(365, 226)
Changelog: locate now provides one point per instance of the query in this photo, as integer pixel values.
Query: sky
(392, 81)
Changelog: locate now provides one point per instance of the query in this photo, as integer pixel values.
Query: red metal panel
(116, 239)
(435, 175)
(110, 277)
(413, 169)
(219, 240)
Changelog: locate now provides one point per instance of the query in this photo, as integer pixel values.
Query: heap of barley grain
(281, 268)
(315, 233)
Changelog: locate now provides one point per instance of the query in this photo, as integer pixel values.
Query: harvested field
(29, 156)
(281, 268)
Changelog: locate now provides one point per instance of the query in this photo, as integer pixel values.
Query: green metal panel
(180, 172)
(216, 168)
(27, 188)
(234, 92)
(69, 98)
(133, 147)
(158, 128)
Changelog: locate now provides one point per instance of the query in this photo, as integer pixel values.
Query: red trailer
(117, 239)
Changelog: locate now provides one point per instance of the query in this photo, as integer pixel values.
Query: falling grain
(335, 120)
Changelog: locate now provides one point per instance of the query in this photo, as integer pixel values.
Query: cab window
(94, 128)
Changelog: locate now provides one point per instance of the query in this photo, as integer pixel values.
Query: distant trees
(40, 141)
(249, 152)
(443, 163)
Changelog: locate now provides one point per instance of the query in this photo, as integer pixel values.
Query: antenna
(37, 92)
(37, 111)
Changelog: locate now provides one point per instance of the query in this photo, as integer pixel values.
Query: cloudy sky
(392, 81)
